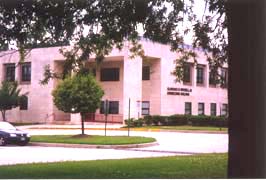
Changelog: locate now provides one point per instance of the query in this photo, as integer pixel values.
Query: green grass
(183, 128)
(96, 140)
(197, 166)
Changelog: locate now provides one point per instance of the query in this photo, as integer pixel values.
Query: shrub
(215, 121)
(134, 122)
(177, 120)
(148, 120)
(156, 119)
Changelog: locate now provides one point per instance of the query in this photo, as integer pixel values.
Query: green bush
(180, 120)
(134, 122)
(148, 120)
(177, 120)
(215, 121)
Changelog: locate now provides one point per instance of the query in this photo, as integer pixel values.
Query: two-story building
(148, 84)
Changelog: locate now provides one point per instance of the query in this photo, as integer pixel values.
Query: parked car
(11, 135)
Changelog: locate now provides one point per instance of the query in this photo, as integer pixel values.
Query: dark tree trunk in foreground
(3, 115)
(247, 88)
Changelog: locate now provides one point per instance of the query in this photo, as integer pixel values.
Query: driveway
(170, 143)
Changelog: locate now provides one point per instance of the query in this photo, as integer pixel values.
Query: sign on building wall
(178, 91)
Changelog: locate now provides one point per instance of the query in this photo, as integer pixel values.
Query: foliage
(134, 122)
(78, 94)
(9, 97)
(206, 166)
(180, 120)
(96, 140)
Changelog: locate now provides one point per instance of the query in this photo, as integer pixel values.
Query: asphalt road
(170, 143)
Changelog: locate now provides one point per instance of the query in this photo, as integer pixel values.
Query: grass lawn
(91, 139)
(181, 128)
(196, 166)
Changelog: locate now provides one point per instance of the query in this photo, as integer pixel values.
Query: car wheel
(2, 141)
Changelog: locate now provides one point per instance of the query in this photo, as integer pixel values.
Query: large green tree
(78, 94)
(9, 97)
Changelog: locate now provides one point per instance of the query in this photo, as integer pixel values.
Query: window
(110, 74)
(113, 107)
(213, 109)
(146, 73)
(10, 72)
(224, 111)
(224, 78)
(23, 104)
(93, 72)
(200, 75)
(26, 72)
(145, 108)
(187, 73)
(212, 77)
(201, 109)
(188, 108)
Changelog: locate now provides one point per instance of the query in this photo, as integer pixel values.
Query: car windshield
(6, 126)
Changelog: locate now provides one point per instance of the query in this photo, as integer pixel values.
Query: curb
(146, 130)
(94, 146)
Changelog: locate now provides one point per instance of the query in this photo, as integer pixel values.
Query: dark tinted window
(23, 105)
(188, 108)
(110, 74)
(146, 73)
(200, 75)
(201, 109)
(145, 108)
(213, 109)
(26, 72)
(10, 72)
(187, 73)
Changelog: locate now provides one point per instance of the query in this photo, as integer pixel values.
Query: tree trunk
(82, 123)
(247, 88)
(3, 112)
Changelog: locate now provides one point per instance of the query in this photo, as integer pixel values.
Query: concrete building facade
(148, 83)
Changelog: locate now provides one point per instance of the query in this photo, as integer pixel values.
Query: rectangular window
(188, 108)
(212, 77)
(23, 104)
(113, 107)
(145, 108)
(224, 111)
(200, 108)
(110, 74)
(213, 109)
(146, 73)
(187, 73)
(224, 78)
(93, 72)
(200, 75)
(26, 72)
(10, 72)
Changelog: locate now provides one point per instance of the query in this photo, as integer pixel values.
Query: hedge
(179, 120)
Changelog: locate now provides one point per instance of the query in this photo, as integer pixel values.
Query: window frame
(146, 73)
(224, 77)
(187, 73)
(107, 75)
(188, 108)
(224, 108)
(145, 108)
(199, 108)
(12, 74)
(213, 110)
(200, 79)
(25, 78)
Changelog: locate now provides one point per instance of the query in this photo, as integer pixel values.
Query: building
(148, 84)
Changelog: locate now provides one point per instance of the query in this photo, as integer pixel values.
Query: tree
(78, 94)
(9, 97)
